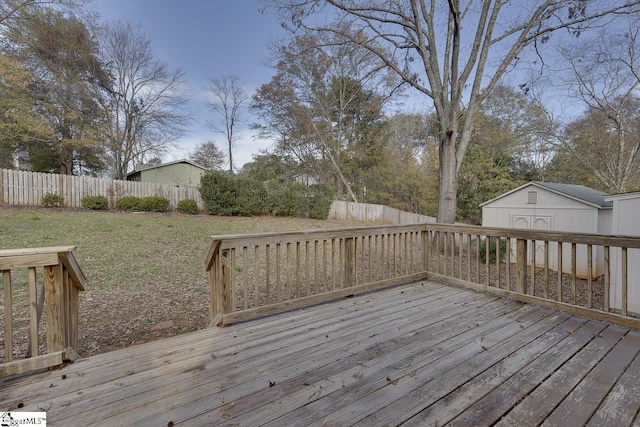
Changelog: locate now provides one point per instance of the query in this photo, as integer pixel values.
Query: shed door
(531, 222)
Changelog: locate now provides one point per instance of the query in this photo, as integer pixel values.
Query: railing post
(220, 283)
(53, 307)
(349, 261)
(521, 266)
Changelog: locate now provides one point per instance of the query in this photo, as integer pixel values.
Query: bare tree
(454, 52)
(605, 72)
(146, 98)
(10, 9)
(228, 98)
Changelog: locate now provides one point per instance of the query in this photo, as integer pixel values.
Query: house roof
(144, 168)
(580, 193)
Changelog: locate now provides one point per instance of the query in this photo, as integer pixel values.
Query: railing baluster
(8, 316)
(268, 272)
(245, 285)
(287, 276)
(487, 259)
(478, 258)
(533, 267)
(607, 279)
(624, 281)
(33, 312)
(589, 276)
(468, 236)
(508, 264)
(459, 255)
(546, 269)
(315, 266)
(573, 272)
(559, 285)
(298, 270)
(257, 278)
(278, 275)
(453, 254)
(498, 262)
(325, 281)
(521, 266)
(306, 268)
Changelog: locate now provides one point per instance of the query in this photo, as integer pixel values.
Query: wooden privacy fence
(27, 188)
(254, 275)
(22, 304)
(375, 213)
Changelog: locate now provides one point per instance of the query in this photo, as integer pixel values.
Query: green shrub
(320, 199)
(188, 206)
(96, 203)
(128, 203)
(223, 194)
(52, 200)
(154, 204)
(492, 249)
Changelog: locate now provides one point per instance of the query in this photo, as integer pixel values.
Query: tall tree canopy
(66, 86)
(145, 100)
(454, 52)
(324, 107)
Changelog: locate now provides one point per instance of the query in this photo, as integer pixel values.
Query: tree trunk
(448, 185)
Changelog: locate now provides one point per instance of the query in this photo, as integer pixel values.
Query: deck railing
(253, 275)
(26, 294)
(584, 274)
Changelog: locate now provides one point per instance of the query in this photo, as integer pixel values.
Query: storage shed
(555, 207)
(625, 222)
(179, 172)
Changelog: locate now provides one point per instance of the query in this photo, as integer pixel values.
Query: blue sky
(206, 38)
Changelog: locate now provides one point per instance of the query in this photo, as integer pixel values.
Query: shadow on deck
(417, 354)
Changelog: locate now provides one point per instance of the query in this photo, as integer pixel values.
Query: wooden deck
(413, 355)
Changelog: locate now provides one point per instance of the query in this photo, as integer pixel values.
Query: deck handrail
(62, 280)
(257, 274)
(547, 268)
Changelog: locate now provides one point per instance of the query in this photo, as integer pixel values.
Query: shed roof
(580, 193)
(145, 168)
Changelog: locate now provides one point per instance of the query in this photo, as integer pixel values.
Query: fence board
(27, 188)
(375, 213)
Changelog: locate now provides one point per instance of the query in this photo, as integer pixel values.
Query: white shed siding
(626, 209)
(555, 212)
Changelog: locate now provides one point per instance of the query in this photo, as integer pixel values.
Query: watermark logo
(10, 419)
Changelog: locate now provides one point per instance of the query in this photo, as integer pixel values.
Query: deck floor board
(413, 355)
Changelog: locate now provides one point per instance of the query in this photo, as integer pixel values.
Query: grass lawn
(145, 272)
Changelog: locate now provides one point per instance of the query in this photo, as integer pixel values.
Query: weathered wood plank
(498, 389)
(619, 407)
(37, 363)
(538, 404)
(579, 405)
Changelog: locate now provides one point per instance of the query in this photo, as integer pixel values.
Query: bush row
(127, 203)
(224, 194)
